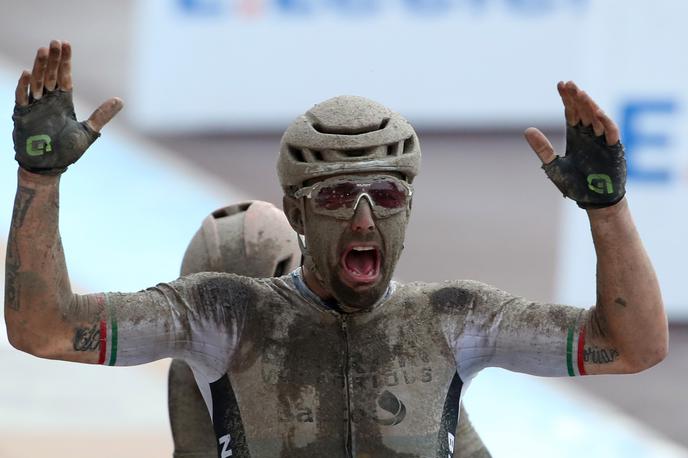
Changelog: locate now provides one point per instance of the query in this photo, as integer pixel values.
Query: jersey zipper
(345, 331)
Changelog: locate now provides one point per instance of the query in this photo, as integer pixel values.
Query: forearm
(628, 322)
(42, 314)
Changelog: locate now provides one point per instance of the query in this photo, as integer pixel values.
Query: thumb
(104, 113)
(542, 147)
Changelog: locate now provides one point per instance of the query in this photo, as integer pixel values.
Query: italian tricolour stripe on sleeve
(575, 345)
(108, 334)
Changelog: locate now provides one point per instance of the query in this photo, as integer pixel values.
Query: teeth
(363, 248)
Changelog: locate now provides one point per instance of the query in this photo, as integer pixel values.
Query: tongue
(361, 262)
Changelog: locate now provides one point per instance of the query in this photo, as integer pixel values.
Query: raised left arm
(626, 331)
(627, 328)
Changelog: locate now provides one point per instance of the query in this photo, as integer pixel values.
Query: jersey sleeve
(502, 330)
(197, 318)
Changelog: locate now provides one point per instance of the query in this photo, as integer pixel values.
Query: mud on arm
(42, 314)
(627, 329)
(624, 332)
(195, 318)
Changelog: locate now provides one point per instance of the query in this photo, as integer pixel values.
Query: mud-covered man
(251, 239)
(334, 359)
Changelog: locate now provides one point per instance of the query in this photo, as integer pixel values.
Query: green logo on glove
(37, 145)
(600, 183)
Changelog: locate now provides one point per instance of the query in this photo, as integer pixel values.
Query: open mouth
(361, 263)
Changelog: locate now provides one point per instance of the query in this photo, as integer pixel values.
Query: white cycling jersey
(285, 374)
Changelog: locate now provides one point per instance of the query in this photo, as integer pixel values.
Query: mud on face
(327, 239)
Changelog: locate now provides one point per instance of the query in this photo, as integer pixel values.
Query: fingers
(584, 109)
(539, 143)
(580, 107)
(64, 71)
(570, 111)
(105, 113)
(611, 130)
(590, 109)
(52, 68)
(38, 73)
(53, 63)
(21, 95)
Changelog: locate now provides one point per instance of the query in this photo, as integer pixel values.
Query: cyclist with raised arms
(253, 239)
(333, 359)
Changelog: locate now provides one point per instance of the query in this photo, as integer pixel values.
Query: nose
(362, 220)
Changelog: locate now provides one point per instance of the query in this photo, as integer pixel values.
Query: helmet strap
(308, 259)
(302, 245)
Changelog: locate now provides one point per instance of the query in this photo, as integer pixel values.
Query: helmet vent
(317, 155)
(231, 210)
(356, 152)
(393, 149)
(348, 130)
(409, 145)
(282, 266)
(297, 154)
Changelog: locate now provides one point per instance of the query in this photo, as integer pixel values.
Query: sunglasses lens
(336, 196)
(339, 198)
(388, 194)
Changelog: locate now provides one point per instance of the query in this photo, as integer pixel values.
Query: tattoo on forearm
(13, 262)
(11, 269)
(21, 205)
(87, 339)
(596, 355)
(621, 301)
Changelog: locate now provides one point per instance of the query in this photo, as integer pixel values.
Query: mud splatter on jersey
(283, 374)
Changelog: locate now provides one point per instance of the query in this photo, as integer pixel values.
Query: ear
(293, 211)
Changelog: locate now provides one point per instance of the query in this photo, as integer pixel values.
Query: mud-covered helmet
(346, 134)
(251, 238)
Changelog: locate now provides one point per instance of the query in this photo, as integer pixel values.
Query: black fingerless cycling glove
(47, 137)
(592, 173)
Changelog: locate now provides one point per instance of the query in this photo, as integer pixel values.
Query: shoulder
(217, 279)
(449, 294)
(223, 288)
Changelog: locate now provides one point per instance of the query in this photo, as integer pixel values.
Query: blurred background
(209, 86)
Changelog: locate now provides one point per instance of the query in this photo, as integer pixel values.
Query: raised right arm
(196, 318)
(42, 314)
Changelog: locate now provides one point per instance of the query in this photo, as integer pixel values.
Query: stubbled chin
(358, 296)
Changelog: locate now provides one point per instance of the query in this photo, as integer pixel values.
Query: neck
(315, 285)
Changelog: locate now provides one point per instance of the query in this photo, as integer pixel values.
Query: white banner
(257, 64)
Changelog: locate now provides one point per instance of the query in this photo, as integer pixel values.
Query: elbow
(658, 353)
(651, 356)
(27, 343)
(14, 334)
(40, 335)
(658, 346)
(651, 360)
(20, 341)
